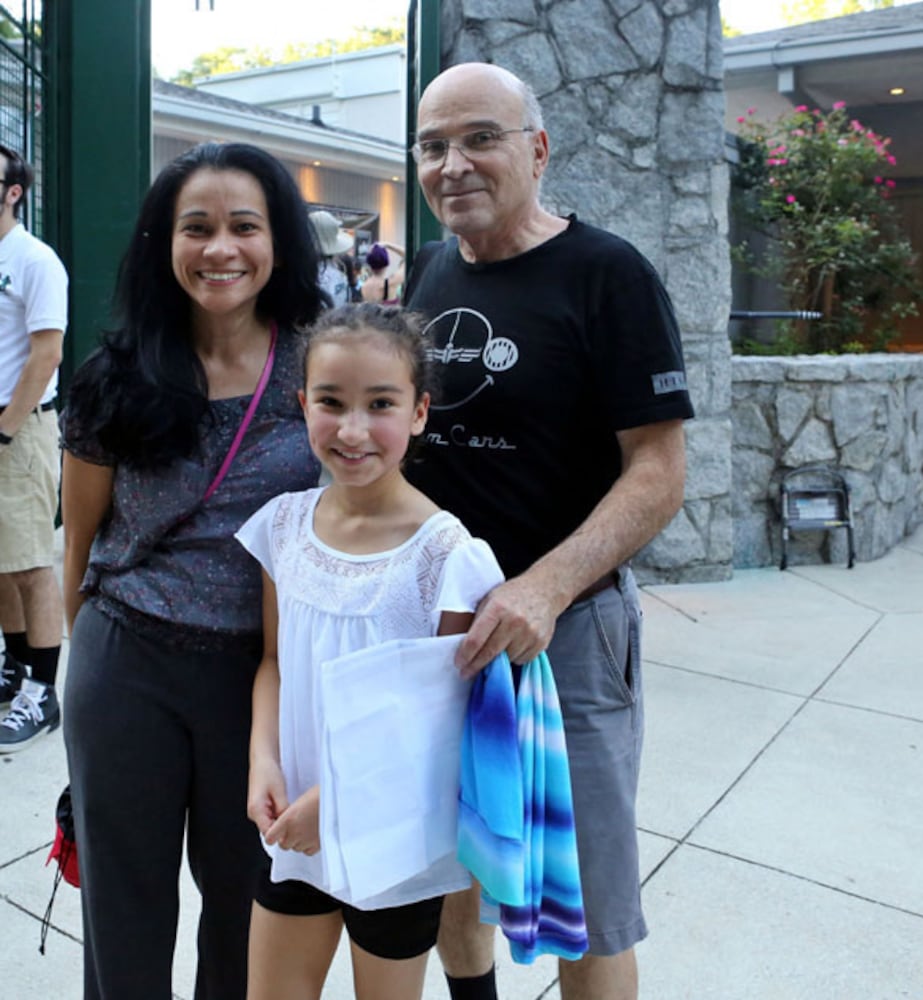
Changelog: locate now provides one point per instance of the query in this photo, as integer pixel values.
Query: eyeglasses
(472, 145)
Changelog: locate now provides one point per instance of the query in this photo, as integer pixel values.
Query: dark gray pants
(157, 747)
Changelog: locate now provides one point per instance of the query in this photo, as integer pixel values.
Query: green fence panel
(25, 107)
(100, 52)
(423, 63)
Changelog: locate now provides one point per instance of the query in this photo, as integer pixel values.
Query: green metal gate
(422, 65)
(75, 101)
(26, 105)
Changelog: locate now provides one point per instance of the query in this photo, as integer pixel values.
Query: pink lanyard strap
(248, 416)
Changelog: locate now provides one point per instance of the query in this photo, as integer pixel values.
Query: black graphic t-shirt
(540, 360)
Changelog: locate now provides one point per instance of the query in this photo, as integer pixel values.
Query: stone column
(631, 92)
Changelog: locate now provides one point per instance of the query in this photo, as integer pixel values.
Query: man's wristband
(5, 438)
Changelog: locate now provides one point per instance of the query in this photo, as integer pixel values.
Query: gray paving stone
(884, 672)
(701, 733)
(653, 849)
(838, 799)
(27, 885)
(27, 975)
(893, 583)
(783, 650)
(755, 593)
(723, 929)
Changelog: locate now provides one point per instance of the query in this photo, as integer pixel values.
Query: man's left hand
(516, 616)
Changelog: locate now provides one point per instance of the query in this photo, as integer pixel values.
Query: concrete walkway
(781, 809)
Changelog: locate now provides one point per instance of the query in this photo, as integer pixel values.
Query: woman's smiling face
(222, 247)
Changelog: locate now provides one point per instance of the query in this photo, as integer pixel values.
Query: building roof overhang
(182, 112)
(857, 59)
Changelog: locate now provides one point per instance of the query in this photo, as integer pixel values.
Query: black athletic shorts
(396, 932)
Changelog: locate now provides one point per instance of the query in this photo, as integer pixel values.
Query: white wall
(360, 91)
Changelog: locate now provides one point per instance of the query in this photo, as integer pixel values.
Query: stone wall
(631, 92)
(860, 414)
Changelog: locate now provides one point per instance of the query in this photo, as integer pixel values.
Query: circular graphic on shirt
(500, 353)
(463, 341)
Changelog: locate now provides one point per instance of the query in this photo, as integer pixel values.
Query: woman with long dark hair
(182, 424)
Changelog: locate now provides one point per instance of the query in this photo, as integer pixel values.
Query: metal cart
(815, 498)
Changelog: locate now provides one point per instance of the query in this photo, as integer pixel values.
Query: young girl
(366, 559)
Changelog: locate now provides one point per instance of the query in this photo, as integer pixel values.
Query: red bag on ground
(64, 848)
(64, 852)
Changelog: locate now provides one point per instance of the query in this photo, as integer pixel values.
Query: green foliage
(782, 344)
(728, 30)
(803, 11)
(814, 184)
(234, 60)
(227, 59)
(361, 39)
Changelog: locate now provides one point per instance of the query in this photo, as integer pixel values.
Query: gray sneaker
(34, 712)
(12, 674)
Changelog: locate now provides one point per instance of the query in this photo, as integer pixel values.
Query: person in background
(353, 277)
(333, 241)
(382, 284)
(33, 317)
(559, 440)
(182, 424)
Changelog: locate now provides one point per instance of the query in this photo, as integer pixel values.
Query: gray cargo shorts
(596, 660)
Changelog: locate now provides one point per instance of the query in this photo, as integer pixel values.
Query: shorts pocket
(617, 636)
(594, 656)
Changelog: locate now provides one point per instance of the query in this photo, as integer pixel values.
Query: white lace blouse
(332, 603)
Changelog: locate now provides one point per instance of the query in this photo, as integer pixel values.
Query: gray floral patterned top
(168, 565)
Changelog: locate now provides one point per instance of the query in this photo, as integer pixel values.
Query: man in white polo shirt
(33, 316)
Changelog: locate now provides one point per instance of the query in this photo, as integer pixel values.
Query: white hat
(330, 237)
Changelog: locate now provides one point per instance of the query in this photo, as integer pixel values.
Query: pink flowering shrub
(815, 183)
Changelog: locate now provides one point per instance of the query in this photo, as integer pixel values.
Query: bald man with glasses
(558, 438)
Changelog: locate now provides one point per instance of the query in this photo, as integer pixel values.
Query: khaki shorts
(30, 474)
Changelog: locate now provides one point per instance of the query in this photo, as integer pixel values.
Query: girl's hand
(266, 796)
(298, 828)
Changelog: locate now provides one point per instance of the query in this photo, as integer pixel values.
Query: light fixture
(317, 163)
(896, 91)
(395, 179)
